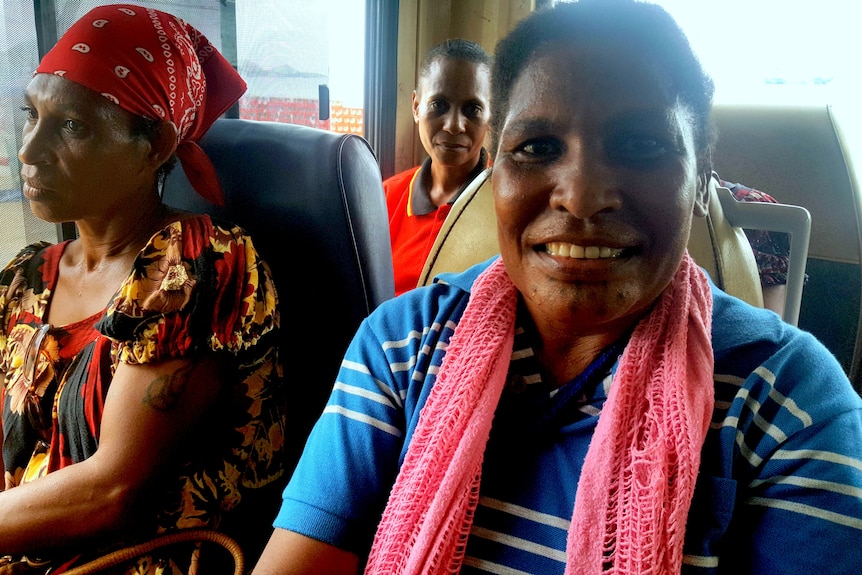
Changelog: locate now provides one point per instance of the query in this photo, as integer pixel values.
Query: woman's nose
(454, 121)
(584, 185)
(34, 148)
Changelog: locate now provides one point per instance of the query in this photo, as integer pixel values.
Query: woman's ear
(416, 100)
(164, 144)
(701, 198)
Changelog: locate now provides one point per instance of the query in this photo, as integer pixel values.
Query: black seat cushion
(313, 203)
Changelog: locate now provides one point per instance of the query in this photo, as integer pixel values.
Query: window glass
(781, 52)
(18, 58)
(285, 49)
(288, 49)
(775, 51)
(205, 15)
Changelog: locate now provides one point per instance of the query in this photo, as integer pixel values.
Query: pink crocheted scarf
(639, 473)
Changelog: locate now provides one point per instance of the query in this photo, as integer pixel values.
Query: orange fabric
(412, 236)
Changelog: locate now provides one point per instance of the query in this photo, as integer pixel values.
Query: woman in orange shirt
(451, 108)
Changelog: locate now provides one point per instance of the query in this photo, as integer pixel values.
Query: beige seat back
(801, 155)
(469, 236)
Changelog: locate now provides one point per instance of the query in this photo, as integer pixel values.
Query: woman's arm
(289, 553)
(149, 410)
(774, 296)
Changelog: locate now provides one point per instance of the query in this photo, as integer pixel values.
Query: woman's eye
(29, 112)
(73, 126)
(473, 111)
(437, 106)
(637, 148)
(538, 150)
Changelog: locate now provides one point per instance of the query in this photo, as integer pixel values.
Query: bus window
(18, 59)
(772, 51)
(288, 49)
(779, 53)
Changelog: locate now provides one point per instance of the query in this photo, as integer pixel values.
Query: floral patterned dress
(197, 287)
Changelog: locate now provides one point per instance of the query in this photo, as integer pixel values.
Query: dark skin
(451, 110)
(596, 181)
(81, 163)
(595, 184)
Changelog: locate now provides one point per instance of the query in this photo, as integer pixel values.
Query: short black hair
(646, 28)
(454, 49)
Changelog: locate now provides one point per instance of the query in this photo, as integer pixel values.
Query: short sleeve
(22, 287)
(196, 286)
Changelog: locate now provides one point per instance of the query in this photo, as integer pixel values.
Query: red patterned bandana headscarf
(152, 64)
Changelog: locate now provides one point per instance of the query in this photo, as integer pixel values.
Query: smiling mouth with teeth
(567, 250)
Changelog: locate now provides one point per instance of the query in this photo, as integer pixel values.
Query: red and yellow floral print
(195, 288)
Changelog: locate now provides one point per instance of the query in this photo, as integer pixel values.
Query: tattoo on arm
(164, 391)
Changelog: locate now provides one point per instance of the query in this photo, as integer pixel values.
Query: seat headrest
(313, 203)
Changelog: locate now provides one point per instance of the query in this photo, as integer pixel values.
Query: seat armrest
(784, 218)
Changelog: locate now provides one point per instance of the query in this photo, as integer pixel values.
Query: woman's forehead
(52, 86)
(604, 64)
(66, 95)
(605, 79)
(455, 74)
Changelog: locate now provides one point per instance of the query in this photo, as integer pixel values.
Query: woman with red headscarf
(141, 391)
